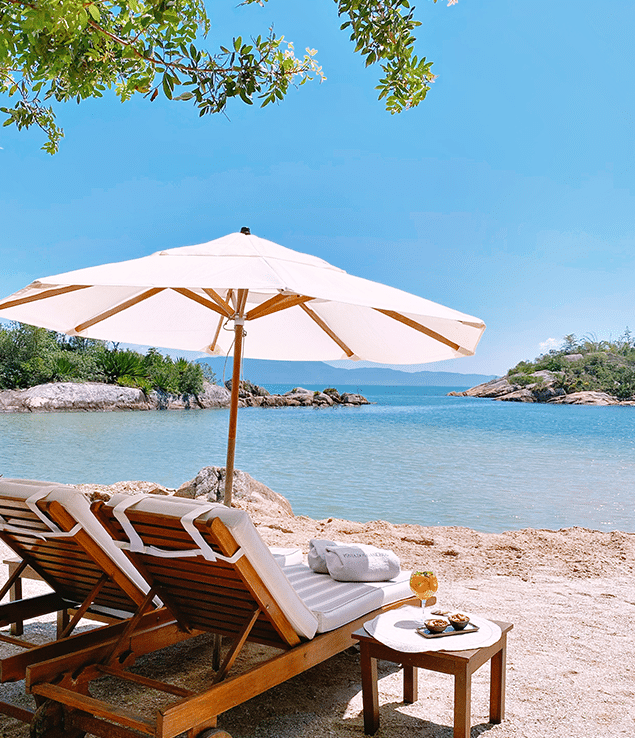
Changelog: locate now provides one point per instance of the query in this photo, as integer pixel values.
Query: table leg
(462, 703)
(497, 684)
(410, 684)
(370, 695)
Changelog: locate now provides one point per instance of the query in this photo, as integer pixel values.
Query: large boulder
(73, 396)
(519, 395)
(214, 395)
(585, 398)
(493, 389)
(209, 484)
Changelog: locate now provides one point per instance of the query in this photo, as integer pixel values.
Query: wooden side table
(462, 664)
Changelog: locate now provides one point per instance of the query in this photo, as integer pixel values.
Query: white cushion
(337, 603)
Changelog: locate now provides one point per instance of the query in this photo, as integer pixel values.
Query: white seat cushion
(336, 603)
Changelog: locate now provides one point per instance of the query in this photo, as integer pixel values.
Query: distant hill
(297, 373)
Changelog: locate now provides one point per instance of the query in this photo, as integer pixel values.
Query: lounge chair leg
(216, 651)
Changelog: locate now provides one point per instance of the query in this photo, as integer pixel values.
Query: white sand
(571, 658)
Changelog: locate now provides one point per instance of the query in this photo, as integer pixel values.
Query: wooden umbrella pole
(233, 408)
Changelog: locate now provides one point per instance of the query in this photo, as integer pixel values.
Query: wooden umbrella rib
(421, 328)
(212, 345)
(119, 308)
(201, 300)
(275, 304)
(43, 295)
(327, 330)
(223, 304)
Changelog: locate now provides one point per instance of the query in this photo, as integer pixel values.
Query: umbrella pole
(233, 410)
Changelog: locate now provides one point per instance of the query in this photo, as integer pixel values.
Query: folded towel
(361, 563)
(317, 554)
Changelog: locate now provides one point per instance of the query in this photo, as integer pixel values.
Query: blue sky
(508, 194)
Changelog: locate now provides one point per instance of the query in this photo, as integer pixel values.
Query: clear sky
(508, 194)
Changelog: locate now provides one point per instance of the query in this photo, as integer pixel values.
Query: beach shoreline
(570, 671)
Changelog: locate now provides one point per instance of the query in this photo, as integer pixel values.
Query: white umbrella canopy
(294, 307)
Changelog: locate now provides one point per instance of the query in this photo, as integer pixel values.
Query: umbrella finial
(245, 231)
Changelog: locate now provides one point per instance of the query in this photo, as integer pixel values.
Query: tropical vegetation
(63, 50)
(582, 364)
(31, 356)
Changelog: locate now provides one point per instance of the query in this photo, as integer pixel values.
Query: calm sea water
(415, 455)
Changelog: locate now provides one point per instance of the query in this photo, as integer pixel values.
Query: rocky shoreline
(97, 397)
(543, 390)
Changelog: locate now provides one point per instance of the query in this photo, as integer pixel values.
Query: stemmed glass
(424, 584)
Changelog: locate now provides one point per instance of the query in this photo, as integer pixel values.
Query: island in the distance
(581, 372)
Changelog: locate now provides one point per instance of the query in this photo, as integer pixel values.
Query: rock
(494, 388)
(321, 398)
(585, 398)
(298, 391)
(349, 398)
(521, 395)
(69, 396)
(214, 396)
(209, 483)
(333, 394)
(570, 358)
(548, 394)
(248, 389)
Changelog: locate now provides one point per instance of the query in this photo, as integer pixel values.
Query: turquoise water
(415, 455)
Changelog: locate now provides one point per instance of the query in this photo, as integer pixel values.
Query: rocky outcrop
(94, 396)
(251, 395)
(209, 485)
(543, 388)
(69, 396)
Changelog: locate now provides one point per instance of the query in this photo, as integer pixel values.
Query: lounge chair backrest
(210, 564)
(51, 527)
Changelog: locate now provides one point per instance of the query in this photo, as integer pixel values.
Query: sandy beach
(571, 659)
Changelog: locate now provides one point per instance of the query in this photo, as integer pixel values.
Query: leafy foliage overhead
(586, 364)
(76, 49)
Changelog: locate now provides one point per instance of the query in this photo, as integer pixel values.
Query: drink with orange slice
(424, 584)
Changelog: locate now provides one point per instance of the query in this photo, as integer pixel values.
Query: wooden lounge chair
(213, 572)
(87, 573)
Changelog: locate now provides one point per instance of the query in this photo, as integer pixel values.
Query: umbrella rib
(43, 295)
(119, 308)
(212, 345)
(327, 330)
(219, 301)
(276, 303)
(201, 300)
(422, 329)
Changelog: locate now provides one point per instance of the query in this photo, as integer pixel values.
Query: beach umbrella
(245, 295)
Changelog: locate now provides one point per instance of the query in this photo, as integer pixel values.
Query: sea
(415, 455)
